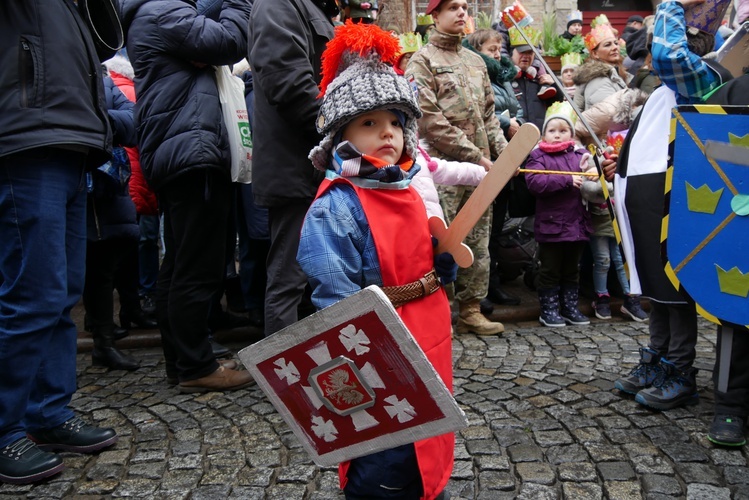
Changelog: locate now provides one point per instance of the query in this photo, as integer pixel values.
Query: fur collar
(593, 69)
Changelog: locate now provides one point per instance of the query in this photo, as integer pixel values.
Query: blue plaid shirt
(679, 69)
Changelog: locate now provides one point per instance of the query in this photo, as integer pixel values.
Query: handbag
(236, 120)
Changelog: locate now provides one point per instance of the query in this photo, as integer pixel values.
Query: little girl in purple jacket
(562, 225)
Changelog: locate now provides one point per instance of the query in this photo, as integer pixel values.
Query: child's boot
(549, 300)
(673, 389)
(546, 92)
(570, 311)
(602, 306)
(633, 309)
(470, 320)
(643, 375)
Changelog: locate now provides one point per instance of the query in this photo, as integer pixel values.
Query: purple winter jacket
(560, 213)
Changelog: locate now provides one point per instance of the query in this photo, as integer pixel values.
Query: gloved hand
(445, 265)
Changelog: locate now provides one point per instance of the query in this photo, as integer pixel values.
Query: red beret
(433, 4)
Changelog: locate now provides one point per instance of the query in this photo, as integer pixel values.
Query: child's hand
(487, 164)
(577, 181)
(365, 5)
(445, 265)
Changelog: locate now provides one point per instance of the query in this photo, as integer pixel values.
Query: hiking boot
(222, 379)
(643, 375)
(549, 300)
(569, 310)
(673, 389)
(727, 430)
(23, 462)
(74, 435)
(633, 309)
(470, 320)
(602, 306)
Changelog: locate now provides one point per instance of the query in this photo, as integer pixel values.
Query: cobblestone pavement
(545, 422)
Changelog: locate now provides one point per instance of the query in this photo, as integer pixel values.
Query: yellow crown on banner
(703, 199)
(424, 19)
(410, 42)
(516, 39)
(599, 20)
(571, 59)
(563, 110)
(597, 35)
(738, 140)
(733, 282)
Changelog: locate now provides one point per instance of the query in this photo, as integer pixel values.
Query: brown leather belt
(422, 287)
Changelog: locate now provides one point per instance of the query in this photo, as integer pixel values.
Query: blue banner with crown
(705, 231)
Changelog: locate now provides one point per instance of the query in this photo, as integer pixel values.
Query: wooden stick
(557, 172)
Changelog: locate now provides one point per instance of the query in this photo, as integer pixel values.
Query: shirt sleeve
(678, 68)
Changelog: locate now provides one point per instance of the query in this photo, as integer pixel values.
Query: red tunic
(397, 219)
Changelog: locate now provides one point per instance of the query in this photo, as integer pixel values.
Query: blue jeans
(148, 253)
(42, 266)
(605, 252)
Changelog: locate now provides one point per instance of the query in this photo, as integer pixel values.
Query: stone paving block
(153, 470)
(736, 475)
(666, 434)
(616, 471)
(581, 471)
(249, 493)
(622, 490)
(101, 472)
(538, 492)
(492, 462)
(604, 452)
(511, 437)
(698, 473)
(721, 456)
(461, 452)
(476, 432)
(552, 438)
(587, 435)
(697, 491)
(535, 472)
(545, 424)
(460, 489)
(685, 452)
(626, 436)
(98, 487)
(565, 454)
(524, 453)
(285, 491)
(614, 422)
(482, 447)
(264, 458)
(296, 474)
(637, 449)
(463, 469)
(582, 491)
(542, 401)
(145, 456)
(649, 464)
(255, 476)
(665, 485)
(492, 480)
(181, 479)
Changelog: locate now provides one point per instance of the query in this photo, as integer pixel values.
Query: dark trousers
(127, 279)
(196, 211)
(560, 263)
(735, 401)
(286, 280)
(103, 264)
(673, 332)
(499, 211)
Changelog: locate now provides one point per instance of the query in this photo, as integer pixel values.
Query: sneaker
(221, 380)
(546, 92)
(674, 389)
(602, 306)
(23, 462)
(74, 435)
(727, 430)
(633, 309)
(643, 375)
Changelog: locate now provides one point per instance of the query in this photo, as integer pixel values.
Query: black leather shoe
(486, 306)
(138, 319)
(113, 358)
(228, 321)
(74, 435)
(727, 430)
(219, 351)
(148, 305)
(119, 333)
(23, 462)
(500, 297)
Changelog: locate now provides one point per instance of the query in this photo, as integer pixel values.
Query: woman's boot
(106, 354)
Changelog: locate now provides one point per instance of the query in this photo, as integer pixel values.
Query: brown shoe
(229, 364)
(223, 379)
(470, 320)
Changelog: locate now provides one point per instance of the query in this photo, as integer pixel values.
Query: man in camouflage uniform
(459, 123)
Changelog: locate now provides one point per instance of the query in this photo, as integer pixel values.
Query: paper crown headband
(571, 59)
(575, 15)
(410, 42)
(597, 35)
(516, 39)
(707, 16)
(517, 12)
(600, 20)
(424, 19)
(563, 110)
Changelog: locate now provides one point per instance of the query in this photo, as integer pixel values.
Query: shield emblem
(351, 380)
(706, 225)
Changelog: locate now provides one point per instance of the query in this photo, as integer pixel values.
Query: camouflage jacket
(457, 100)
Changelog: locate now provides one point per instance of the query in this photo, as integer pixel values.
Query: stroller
(518, 251)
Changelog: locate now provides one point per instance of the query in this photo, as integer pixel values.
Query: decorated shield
(350, 380)
(706, 226)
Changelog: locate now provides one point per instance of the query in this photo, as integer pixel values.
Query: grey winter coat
(594, 82)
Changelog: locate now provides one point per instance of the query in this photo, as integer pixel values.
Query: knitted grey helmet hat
(362, 84)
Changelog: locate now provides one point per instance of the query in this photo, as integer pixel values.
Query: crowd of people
(359, 135)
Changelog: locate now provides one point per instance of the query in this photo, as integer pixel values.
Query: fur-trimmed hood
(120, 65)
(628, 106)
(593, 69)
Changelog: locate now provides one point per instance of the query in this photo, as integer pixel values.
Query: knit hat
(358, 77)
(563, 110)
(576, 16)
(597, 35)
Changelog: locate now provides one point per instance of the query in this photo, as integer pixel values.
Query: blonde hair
(478, 38)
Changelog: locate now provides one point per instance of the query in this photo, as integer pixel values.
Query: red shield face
(341, 387)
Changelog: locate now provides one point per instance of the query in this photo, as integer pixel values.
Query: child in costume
(367, 226)
(562, 226)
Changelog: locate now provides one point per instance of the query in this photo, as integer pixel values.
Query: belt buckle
(431, 282)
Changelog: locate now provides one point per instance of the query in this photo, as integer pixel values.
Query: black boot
(136, 319)
(106, 354)
(496, 294)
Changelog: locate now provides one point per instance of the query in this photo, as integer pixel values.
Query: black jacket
(178, 115)
(287, 38)
(50, 80)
